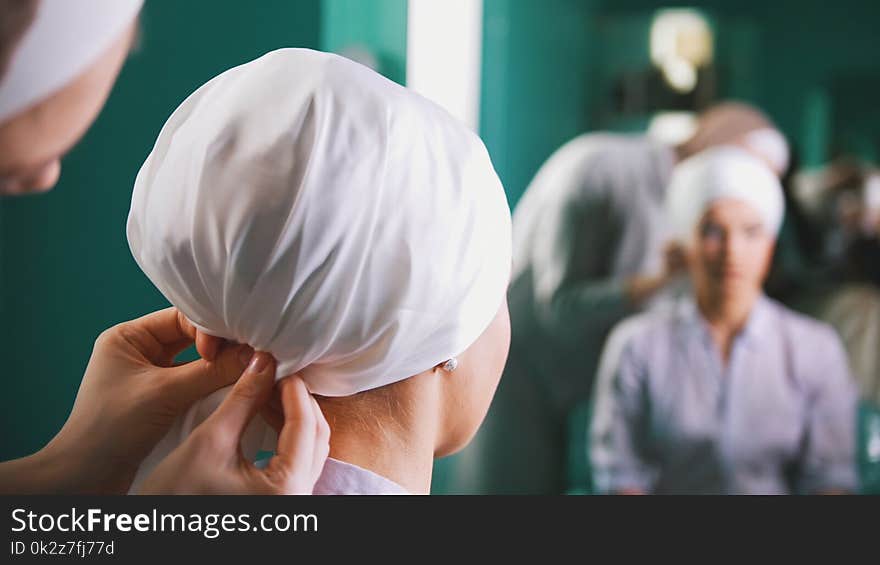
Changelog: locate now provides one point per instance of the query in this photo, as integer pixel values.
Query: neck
(392, 437)
(726, 315)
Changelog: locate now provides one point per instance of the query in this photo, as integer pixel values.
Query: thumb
(194, 380)
(250, 393)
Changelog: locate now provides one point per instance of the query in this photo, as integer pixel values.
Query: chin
(728, 291)
(734, 288)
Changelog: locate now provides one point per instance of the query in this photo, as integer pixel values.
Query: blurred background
(527, 75)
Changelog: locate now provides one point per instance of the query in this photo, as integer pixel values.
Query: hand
(641, 288)
(130, 395)
(210, 461)
(674, 259)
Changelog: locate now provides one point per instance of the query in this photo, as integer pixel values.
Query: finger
(294, 455)
(168, 326)
(249, 394)
(191, 381)
(208, 345)
(159, 336)
(322, 441)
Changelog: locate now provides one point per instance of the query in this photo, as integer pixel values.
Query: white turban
(65, 38)
(718, 173)
(309, 207)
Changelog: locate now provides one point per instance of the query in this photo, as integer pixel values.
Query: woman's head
(726, 206)
(307, 206)
(78, 51)
(742, 125)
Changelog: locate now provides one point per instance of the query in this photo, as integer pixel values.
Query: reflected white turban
(311, 208)
(717, 173)
(65, 38)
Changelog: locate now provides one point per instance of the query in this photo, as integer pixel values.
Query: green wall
(809, 63)
(67, 273)
(535, 83)
(377, 25)
(535, 92)
(547, 68)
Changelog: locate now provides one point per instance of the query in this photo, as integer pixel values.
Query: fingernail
(245, 354)
(259, 362)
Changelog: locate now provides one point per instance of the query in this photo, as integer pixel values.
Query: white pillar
(444, 43)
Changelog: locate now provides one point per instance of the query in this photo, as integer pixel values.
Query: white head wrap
(64, 39)
(722, 172)
(308, 207)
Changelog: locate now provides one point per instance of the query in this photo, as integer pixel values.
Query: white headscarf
(722, 172)
(309, 207)
(65, 38)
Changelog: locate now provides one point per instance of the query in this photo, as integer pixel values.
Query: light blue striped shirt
(670, 417)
